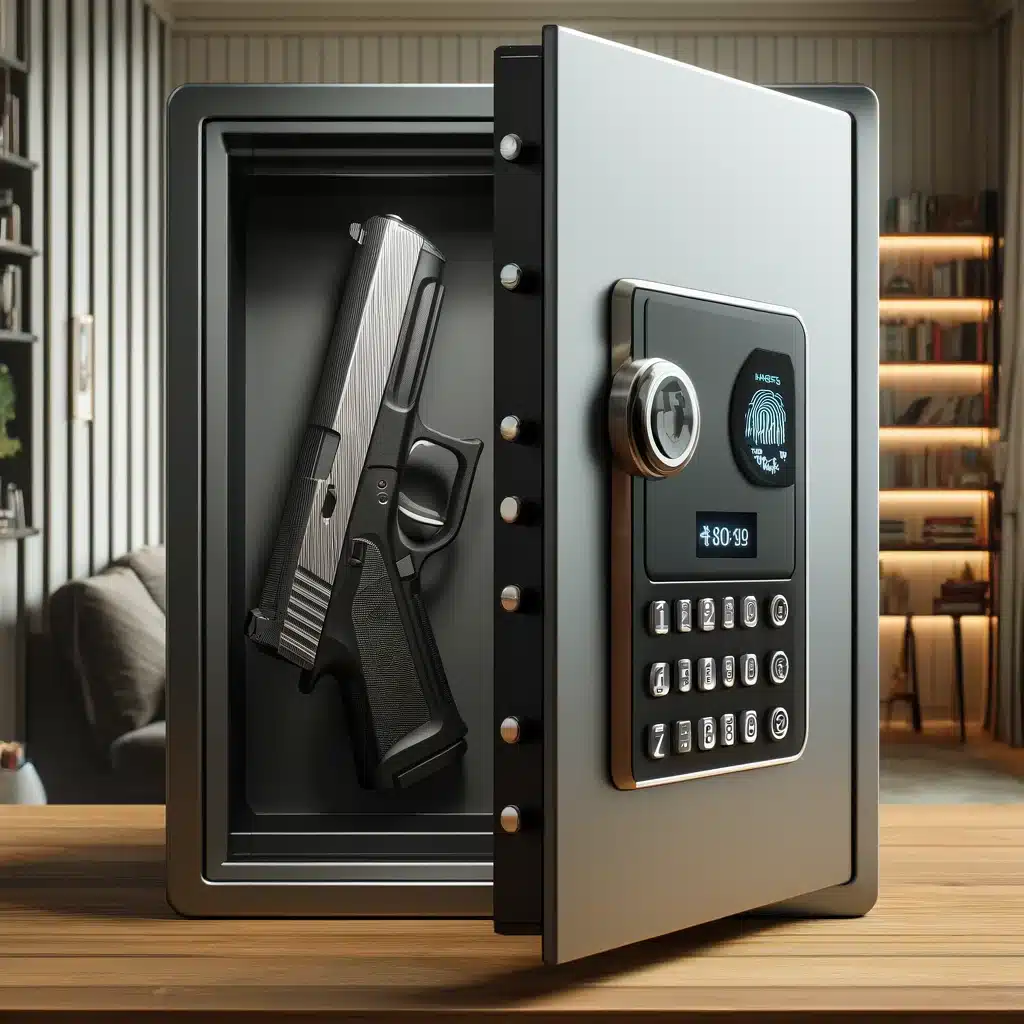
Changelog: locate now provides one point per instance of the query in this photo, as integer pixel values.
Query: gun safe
(522, 498)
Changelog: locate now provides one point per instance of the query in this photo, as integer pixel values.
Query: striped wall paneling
(99, 77)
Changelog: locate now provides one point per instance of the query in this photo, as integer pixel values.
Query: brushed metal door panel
(668, 173)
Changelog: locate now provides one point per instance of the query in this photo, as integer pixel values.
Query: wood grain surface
(86, 927)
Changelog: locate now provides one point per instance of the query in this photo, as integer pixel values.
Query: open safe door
(685, 473)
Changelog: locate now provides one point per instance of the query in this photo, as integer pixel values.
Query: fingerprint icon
(766, 419)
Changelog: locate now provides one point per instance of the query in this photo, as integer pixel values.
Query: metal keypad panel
(708, 548)
(720, 698)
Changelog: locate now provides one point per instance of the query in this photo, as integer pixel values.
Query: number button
(779, 667)
(728, 670)
(657, 680)
(656, 741)
(707, 614)
(728, 612)
(748, 727)
(706, 734)
(706, 673)
(684, 738)
(657, 618)
(684, 675)
(748, 669)
(684, 615)
(728, 727)
(750, 612)
(778, 724)
(778, 611)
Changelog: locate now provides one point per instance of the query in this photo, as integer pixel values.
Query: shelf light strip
(956, 554)
(967, 374)
(941, 622)
(952, 246)
(976, 437)
(930, 496)
(916, 308)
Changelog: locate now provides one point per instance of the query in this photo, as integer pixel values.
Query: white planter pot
(22, 786)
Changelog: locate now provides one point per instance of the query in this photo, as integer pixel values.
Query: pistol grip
(404, 722)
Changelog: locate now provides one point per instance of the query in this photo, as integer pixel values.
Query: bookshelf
(19, 323)
(939, 308)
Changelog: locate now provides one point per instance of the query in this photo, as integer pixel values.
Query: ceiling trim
(497, 17)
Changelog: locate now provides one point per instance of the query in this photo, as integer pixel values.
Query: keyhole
(330, 502)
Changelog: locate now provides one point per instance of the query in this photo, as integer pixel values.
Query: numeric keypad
(723, 656)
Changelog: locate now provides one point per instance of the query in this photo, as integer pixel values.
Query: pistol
(341, 595)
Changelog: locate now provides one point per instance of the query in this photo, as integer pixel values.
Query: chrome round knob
(511, 598)
(510, 819)
(511, 427)
(510, 146)
(510, 275)
(510, 509)
(511, 731)
(653, 418)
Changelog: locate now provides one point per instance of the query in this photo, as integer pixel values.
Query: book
(930, 341)
(949, 466)
(897, 408)
(941, 213)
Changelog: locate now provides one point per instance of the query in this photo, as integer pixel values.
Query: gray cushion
(150, 565)
(117, 637)
(139, 755)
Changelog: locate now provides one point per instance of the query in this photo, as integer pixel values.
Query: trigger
(418, 513)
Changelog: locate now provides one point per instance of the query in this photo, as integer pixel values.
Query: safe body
(634, 175)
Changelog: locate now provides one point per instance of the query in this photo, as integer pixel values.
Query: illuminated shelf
(925, 373)
(938, 246)
(924, 308)
(936, 549)
(954, 495)
(930, 617)
(976, 437)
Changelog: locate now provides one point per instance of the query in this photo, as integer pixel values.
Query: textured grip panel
(394, 691)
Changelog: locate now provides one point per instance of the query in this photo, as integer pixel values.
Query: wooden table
(86, 926)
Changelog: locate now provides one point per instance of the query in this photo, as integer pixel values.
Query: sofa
(96, 681)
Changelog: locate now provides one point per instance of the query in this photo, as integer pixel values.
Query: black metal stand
(958, 658)
(908, 660)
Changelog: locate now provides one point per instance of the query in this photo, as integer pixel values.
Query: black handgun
(341, 595)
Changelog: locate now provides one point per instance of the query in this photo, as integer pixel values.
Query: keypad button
(706, 619)
(706, 733)
(748, 727)
(728, 612)
(706, 673)
(778, 610)
(657, 679)
(657, 618)
(778, 667)
(684, 675)
(778, 724)
(728, 730)
(656, 741)
(729, 670)
(683, 738)
(684, 615)
(748, 669)
(750, 612)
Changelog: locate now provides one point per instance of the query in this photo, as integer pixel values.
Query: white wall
(937, 84)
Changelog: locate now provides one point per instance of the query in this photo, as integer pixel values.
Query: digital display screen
(726, 535)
